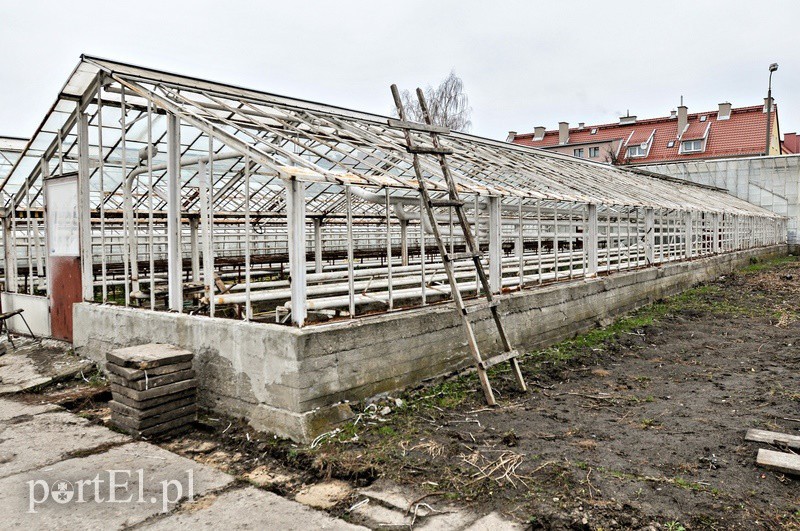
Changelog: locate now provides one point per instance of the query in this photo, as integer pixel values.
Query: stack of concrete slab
(154, 389)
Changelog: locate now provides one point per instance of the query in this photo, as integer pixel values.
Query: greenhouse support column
(84, 208)
(591, 241)
(715, 232)
(495, 246)
(318, 245)
(174, 257)
(736, 233)
(10, 258)
(649, 235)
(296, 219)
(404, 241)
(688, 234)
(195, 245)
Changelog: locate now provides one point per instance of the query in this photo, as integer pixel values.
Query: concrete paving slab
(156, 392)
(152, 381)
(148, 356)
(10, 409)
(141, 374)
(249, 508)
(153, 402)
(169, 426)
(495, 522)
(143, 473)
(29, 442)
(33, 364)
(389, 494)
(377, 516)
(452, 519)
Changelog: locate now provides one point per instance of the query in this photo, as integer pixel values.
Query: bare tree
(614, 158)
(447, 103)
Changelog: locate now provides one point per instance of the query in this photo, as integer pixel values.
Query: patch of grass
(674, 526)
(387, 431)
(757, 265)
(96, 379)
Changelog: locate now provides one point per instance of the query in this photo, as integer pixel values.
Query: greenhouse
(149, 193)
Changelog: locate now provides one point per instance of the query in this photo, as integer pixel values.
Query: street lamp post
(772, 68)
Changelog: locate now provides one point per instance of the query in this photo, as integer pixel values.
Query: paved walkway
(35, 363)
(58, 471)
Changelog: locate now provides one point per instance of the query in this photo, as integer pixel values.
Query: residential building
(723, 133)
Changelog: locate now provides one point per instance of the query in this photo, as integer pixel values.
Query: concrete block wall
(293, 382)
(770, 182)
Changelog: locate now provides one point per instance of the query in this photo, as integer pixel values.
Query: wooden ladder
(473, 252)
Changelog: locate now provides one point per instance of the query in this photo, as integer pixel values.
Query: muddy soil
(643, 428)
(640, 426)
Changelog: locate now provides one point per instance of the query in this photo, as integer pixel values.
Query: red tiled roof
(791, 143)
(696, 131)
(640, 135)
(742, 134)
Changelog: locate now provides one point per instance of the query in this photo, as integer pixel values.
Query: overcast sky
(523, 63)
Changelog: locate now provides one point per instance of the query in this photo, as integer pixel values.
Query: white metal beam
(195, 245)
(84, 208)
(296, 219)
(688, 231)
(649, 235)
(495, 245)
(174, 256)
(317, 245)
(591, 241)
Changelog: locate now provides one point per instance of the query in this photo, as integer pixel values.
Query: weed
(646, 423)
(387, 431)
(674, 526)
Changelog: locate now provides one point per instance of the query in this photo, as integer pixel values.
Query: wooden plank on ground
(773, 437)
(780, 461)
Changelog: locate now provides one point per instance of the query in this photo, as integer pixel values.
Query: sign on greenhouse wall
(62, 217)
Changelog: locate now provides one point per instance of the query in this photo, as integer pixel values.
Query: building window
(637, 151)
(671, 144)
(594, 152)
(691, 146)
(593, 131)
(577, 152)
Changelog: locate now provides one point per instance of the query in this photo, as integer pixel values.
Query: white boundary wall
(770, 182)
(37, 313)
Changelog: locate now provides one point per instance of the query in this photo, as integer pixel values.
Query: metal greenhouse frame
(150, 189)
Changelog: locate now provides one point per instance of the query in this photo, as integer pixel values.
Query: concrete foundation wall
(770, 182)
(292, 381)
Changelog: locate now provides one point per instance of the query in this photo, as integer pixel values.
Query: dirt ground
(638, 424)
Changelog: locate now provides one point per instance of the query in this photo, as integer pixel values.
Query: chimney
(683, 119)
(626, 120)
(766, 103)
(538, 132)
(581, 124)
(563, 132)
(724, 111)
(511, 136)
(673, 113)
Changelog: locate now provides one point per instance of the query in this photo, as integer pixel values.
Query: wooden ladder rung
(460, 256)
(485, 305)
(429, 150)
(452, 200)
(415, 126)
(446, 203)
(500, 358)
